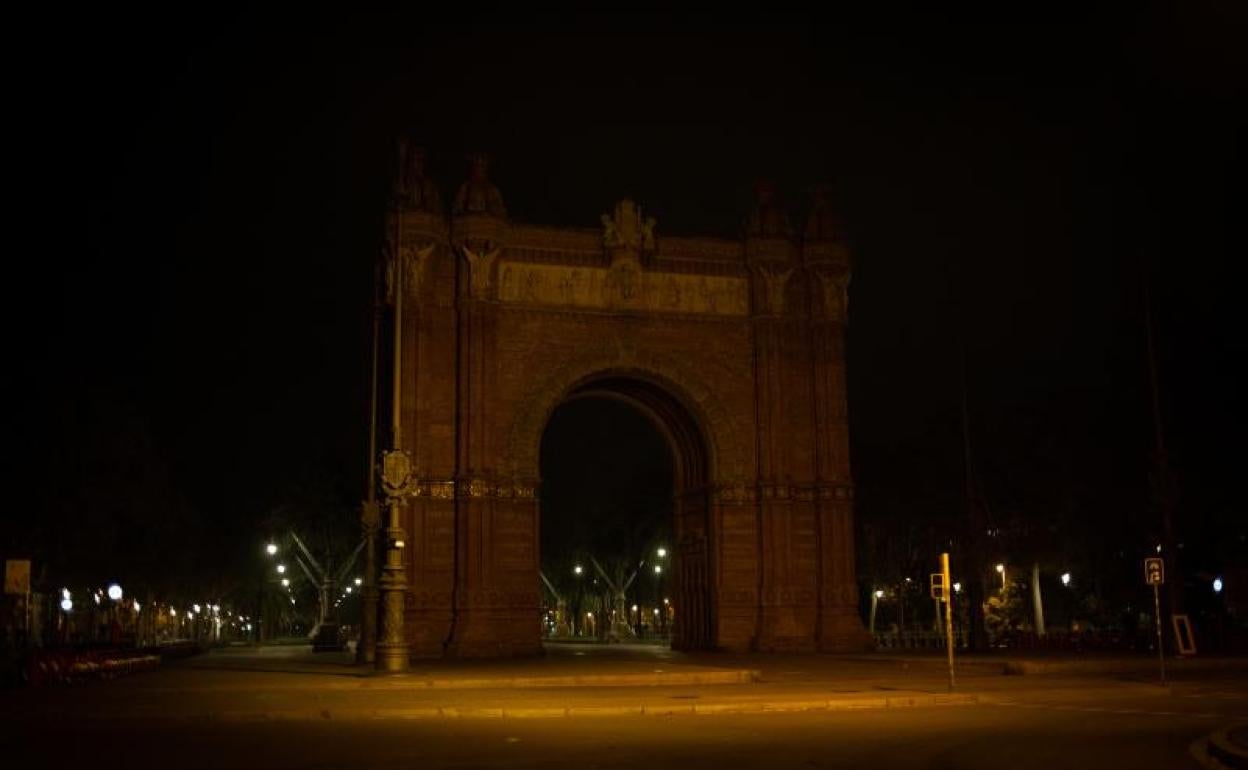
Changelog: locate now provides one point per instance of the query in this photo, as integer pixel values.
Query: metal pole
(948, 594)
(392, 646)
(1161, 653)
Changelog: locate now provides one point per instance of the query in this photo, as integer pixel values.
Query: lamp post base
(392, 659)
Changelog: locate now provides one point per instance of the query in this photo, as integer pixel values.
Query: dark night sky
(202, 201)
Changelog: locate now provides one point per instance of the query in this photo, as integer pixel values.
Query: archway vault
(692, 460)
(654, 381)
(734, 348)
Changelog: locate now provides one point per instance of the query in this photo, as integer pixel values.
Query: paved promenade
(834, 711)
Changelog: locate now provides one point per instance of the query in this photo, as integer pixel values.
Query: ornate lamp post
(396, 471)
(396, 477)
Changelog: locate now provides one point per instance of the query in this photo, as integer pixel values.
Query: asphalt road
(181, 718)
(951, 737)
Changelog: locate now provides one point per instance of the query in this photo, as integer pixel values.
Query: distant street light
(1217, 585)
(577, 570)
(281, 569)
(114, 592)
(658, 570)
(957, 588)
(358, 581)
(67, 604)
(286, 582)
(195, 607)
(136, 605)
(662, 552)
(271, 549)
(1001, 570)
(1065, 578)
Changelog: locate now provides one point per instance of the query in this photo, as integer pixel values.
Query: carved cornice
(736, 493)
(422, 226)
(742, 493)
(482, 231)
(825, 252)
(555, 239)
(475, 487)
(700, 249)
(770, 250)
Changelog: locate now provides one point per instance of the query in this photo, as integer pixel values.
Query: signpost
(1155, 576)
(940, 592)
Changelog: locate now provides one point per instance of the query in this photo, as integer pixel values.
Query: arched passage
(640, 503)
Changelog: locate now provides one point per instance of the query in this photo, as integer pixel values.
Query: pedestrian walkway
(292, 683)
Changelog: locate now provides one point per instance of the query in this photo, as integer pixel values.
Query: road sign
(938, 586)
(17, 576)
(1154, 572)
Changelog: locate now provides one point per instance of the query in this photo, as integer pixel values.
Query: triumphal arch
(733, 347)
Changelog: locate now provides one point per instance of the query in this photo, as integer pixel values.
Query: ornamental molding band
(450, 489)
(623, 287)
(514, 319)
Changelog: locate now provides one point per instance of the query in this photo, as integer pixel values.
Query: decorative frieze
(607, 288)
(449, 489)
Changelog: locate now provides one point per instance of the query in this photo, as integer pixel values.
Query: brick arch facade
(503, 321)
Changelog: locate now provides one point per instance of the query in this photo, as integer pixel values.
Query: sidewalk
(292, 683)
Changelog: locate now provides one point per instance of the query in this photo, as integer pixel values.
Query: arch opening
(624, 471)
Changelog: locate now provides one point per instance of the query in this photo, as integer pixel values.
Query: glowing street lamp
(1065, 578)
(1217, 585)
(577, 570)
(114, 592)
(1001, 571)
(875, 600)
(271, 549)
(67, 604)
(286, 582)
(658, 569)
(661, 552)
(281, 569)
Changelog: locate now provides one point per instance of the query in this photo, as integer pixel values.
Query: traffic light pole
(948, 596)
(1161, 652)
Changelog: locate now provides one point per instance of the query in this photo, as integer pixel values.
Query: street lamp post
(396, 477)
(876, 595)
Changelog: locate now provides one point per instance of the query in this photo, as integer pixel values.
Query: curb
(661, 709)
(1110, 667)
(1226, 751)
(673, 678)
